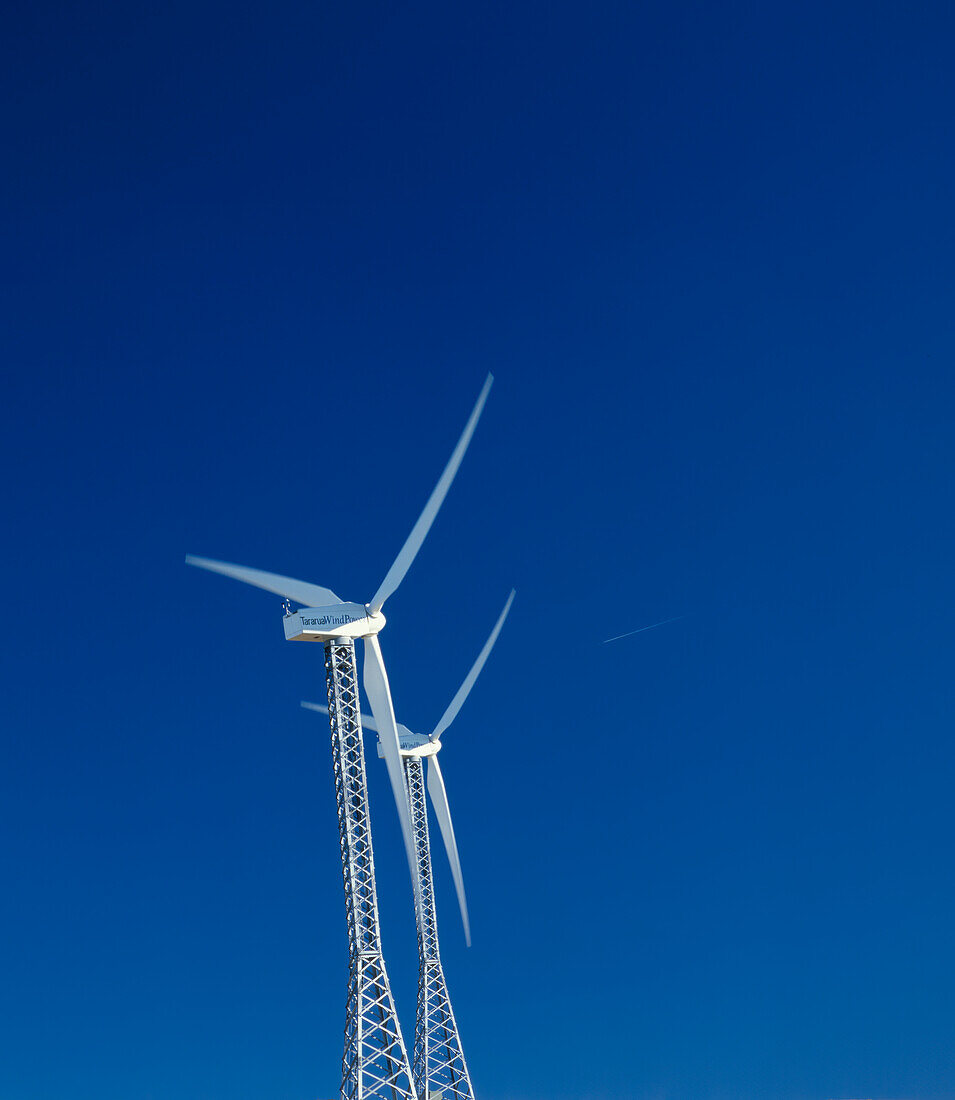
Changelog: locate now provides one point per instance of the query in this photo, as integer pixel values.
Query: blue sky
(257, 263)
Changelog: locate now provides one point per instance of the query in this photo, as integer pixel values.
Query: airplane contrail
(641, 629)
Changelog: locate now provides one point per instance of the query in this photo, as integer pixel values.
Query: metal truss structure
(374, 1062)
(439, 1067)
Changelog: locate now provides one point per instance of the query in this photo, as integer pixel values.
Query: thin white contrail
(641, 629)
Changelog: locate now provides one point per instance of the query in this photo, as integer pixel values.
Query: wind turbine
(375, 1061)
(438, 1065)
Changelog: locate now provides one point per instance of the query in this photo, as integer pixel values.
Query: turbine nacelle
(413, 744)
(342, 620)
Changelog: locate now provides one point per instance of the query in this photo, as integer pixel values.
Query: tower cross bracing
(439, 1069)
(438, 1063)
(374, 1061)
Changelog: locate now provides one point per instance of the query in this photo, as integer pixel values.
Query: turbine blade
(406, 555)
(465, 689)
(379, 695)
(439, 799)
(367, 721)
(309, 595)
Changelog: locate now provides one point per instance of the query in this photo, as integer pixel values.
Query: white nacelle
(341, 620)
(412, 744)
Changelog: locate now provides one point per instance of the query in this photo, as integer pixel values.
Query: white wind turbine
(374, 1062)
(326, 615)
(439, 1062)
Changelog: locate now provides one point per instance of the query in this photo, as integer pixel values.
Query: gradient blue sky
(257, 262)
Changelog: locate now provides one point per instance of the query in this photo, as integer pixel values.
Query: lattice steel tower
(439, 1064)
(439, 1067)
(374, 1062)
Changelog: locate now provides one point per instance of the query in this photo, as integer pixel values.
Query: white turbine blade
(465, 689)
(367, 721)
(309, 595)
(379, 695)
(413, 542)
(439, 799)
